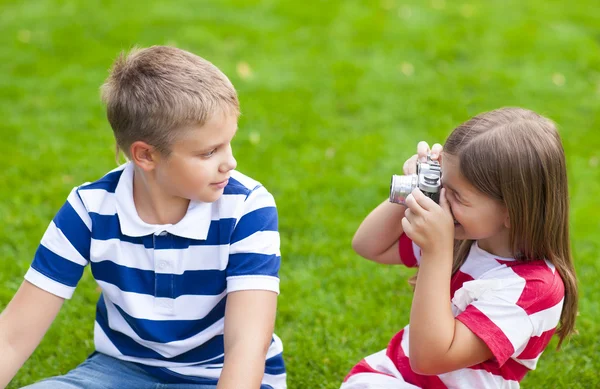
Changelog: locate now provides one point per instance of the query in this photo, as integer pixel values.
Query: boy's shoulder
(99, 196)
(241, 184)
(108, 182)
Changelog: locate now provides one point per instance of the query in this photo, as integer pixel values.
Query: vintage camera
(428, 179)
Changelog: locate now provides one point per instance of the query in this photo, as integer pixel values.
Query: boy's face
(200, 162)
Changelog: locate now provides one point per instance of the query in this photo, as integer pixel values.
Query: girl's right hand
(410, 166)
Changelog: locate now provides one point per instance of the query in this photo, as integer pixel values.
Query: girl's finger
(422, 202)
(408, 215)
(423, 150)
(410, 166)
(436, 151)
(412, 204)
(444, 201)
(406, 227)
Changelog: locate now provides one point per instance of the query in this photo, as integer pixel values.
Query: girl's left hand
(429, 225)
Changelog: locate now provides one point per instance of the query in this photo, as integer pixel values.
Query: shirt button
(162, 265)
(162, 233)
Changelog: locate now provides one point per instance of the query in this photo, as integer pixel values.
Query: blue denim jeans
(100, 371)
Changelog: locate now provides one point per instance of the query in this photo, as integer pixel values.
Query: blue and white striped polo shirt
(164, 287)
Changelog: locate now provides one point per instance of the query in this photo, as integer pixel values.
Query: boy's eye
(210, 153)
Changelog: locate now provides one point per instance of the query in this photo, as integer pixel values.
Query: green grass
(337, 95)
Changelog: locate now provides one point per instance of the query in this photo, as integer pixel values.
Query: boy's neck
(154, 206)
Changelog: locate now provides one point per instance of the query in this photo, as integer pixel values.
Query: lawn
(335, 96)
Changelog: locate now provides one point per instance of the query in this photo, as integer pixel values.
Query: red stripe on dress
(458, 280)
(536, 345)
(402, 363)
(487, 331)
(363, 367)
(543, 288)
(405, 248)
(511, 370)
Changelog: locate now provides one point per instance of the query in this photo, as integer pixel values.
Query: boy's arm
(252, 289)
(249, 322)
(54, 273)
(22, 326)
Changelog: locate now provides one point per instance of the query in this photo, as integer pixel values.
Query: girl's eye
(454, 197)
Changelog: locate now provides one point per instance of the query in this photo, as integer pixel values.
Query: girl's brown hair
(516, 156)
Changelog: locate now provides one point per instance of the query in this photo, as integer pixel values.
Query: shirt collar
(194, 225)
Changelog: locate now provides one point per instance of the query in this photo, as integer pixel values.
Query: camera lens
(401, 187)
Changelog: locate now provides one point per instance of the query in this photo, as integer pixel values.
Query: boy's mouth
(221, 184)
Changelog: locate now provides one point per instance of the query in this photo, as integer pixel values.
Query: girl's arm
(249, 322)
(22, 326)
(438, 343)
(377, 237)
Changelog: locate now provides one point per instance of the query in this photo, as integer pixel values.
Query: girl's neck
(498, 244)
(152, 204)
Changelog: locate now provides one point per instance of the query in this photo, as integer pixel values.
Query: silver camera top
(428, 179)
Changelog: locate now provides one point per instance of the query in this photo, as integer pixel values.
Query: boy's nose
(229, 164)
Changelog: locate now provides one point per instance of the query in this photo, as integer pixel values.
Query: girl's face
(476, 215)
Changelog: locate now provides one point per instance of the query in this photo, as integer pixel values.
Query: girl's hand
(429, 225)
(410, 166)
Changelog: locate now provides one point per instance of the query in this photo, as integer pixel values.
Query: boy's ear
(143, 155)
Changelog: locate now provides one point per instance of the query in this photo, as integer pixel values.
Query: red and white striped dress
(514, 307)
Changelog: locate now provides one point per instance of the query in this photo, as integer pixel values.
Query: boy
(184, 247)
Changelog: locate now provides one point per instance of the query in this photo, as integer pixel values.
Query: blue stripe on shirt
(105, 227)
(108, 183)
(74, 229)
(262, 219)
(275, 365)
(235, 187)
(249, 263)
(165, 331)
(56, 267)
(210, 351)
(191, 282)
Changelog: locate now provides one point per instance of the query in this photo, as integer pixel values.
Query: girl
(496, 278)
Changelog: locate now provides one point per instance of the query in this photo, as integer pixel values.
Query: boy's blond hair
(153, 92)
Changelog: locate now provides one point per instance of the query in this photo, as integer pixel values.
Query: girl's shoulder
(534, 286)
(482, 265)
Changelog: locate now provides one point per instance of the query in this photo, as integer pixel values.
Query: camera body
(428, 179)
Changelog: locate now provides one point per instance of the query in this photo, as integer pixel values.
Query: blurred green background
(335, 96)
